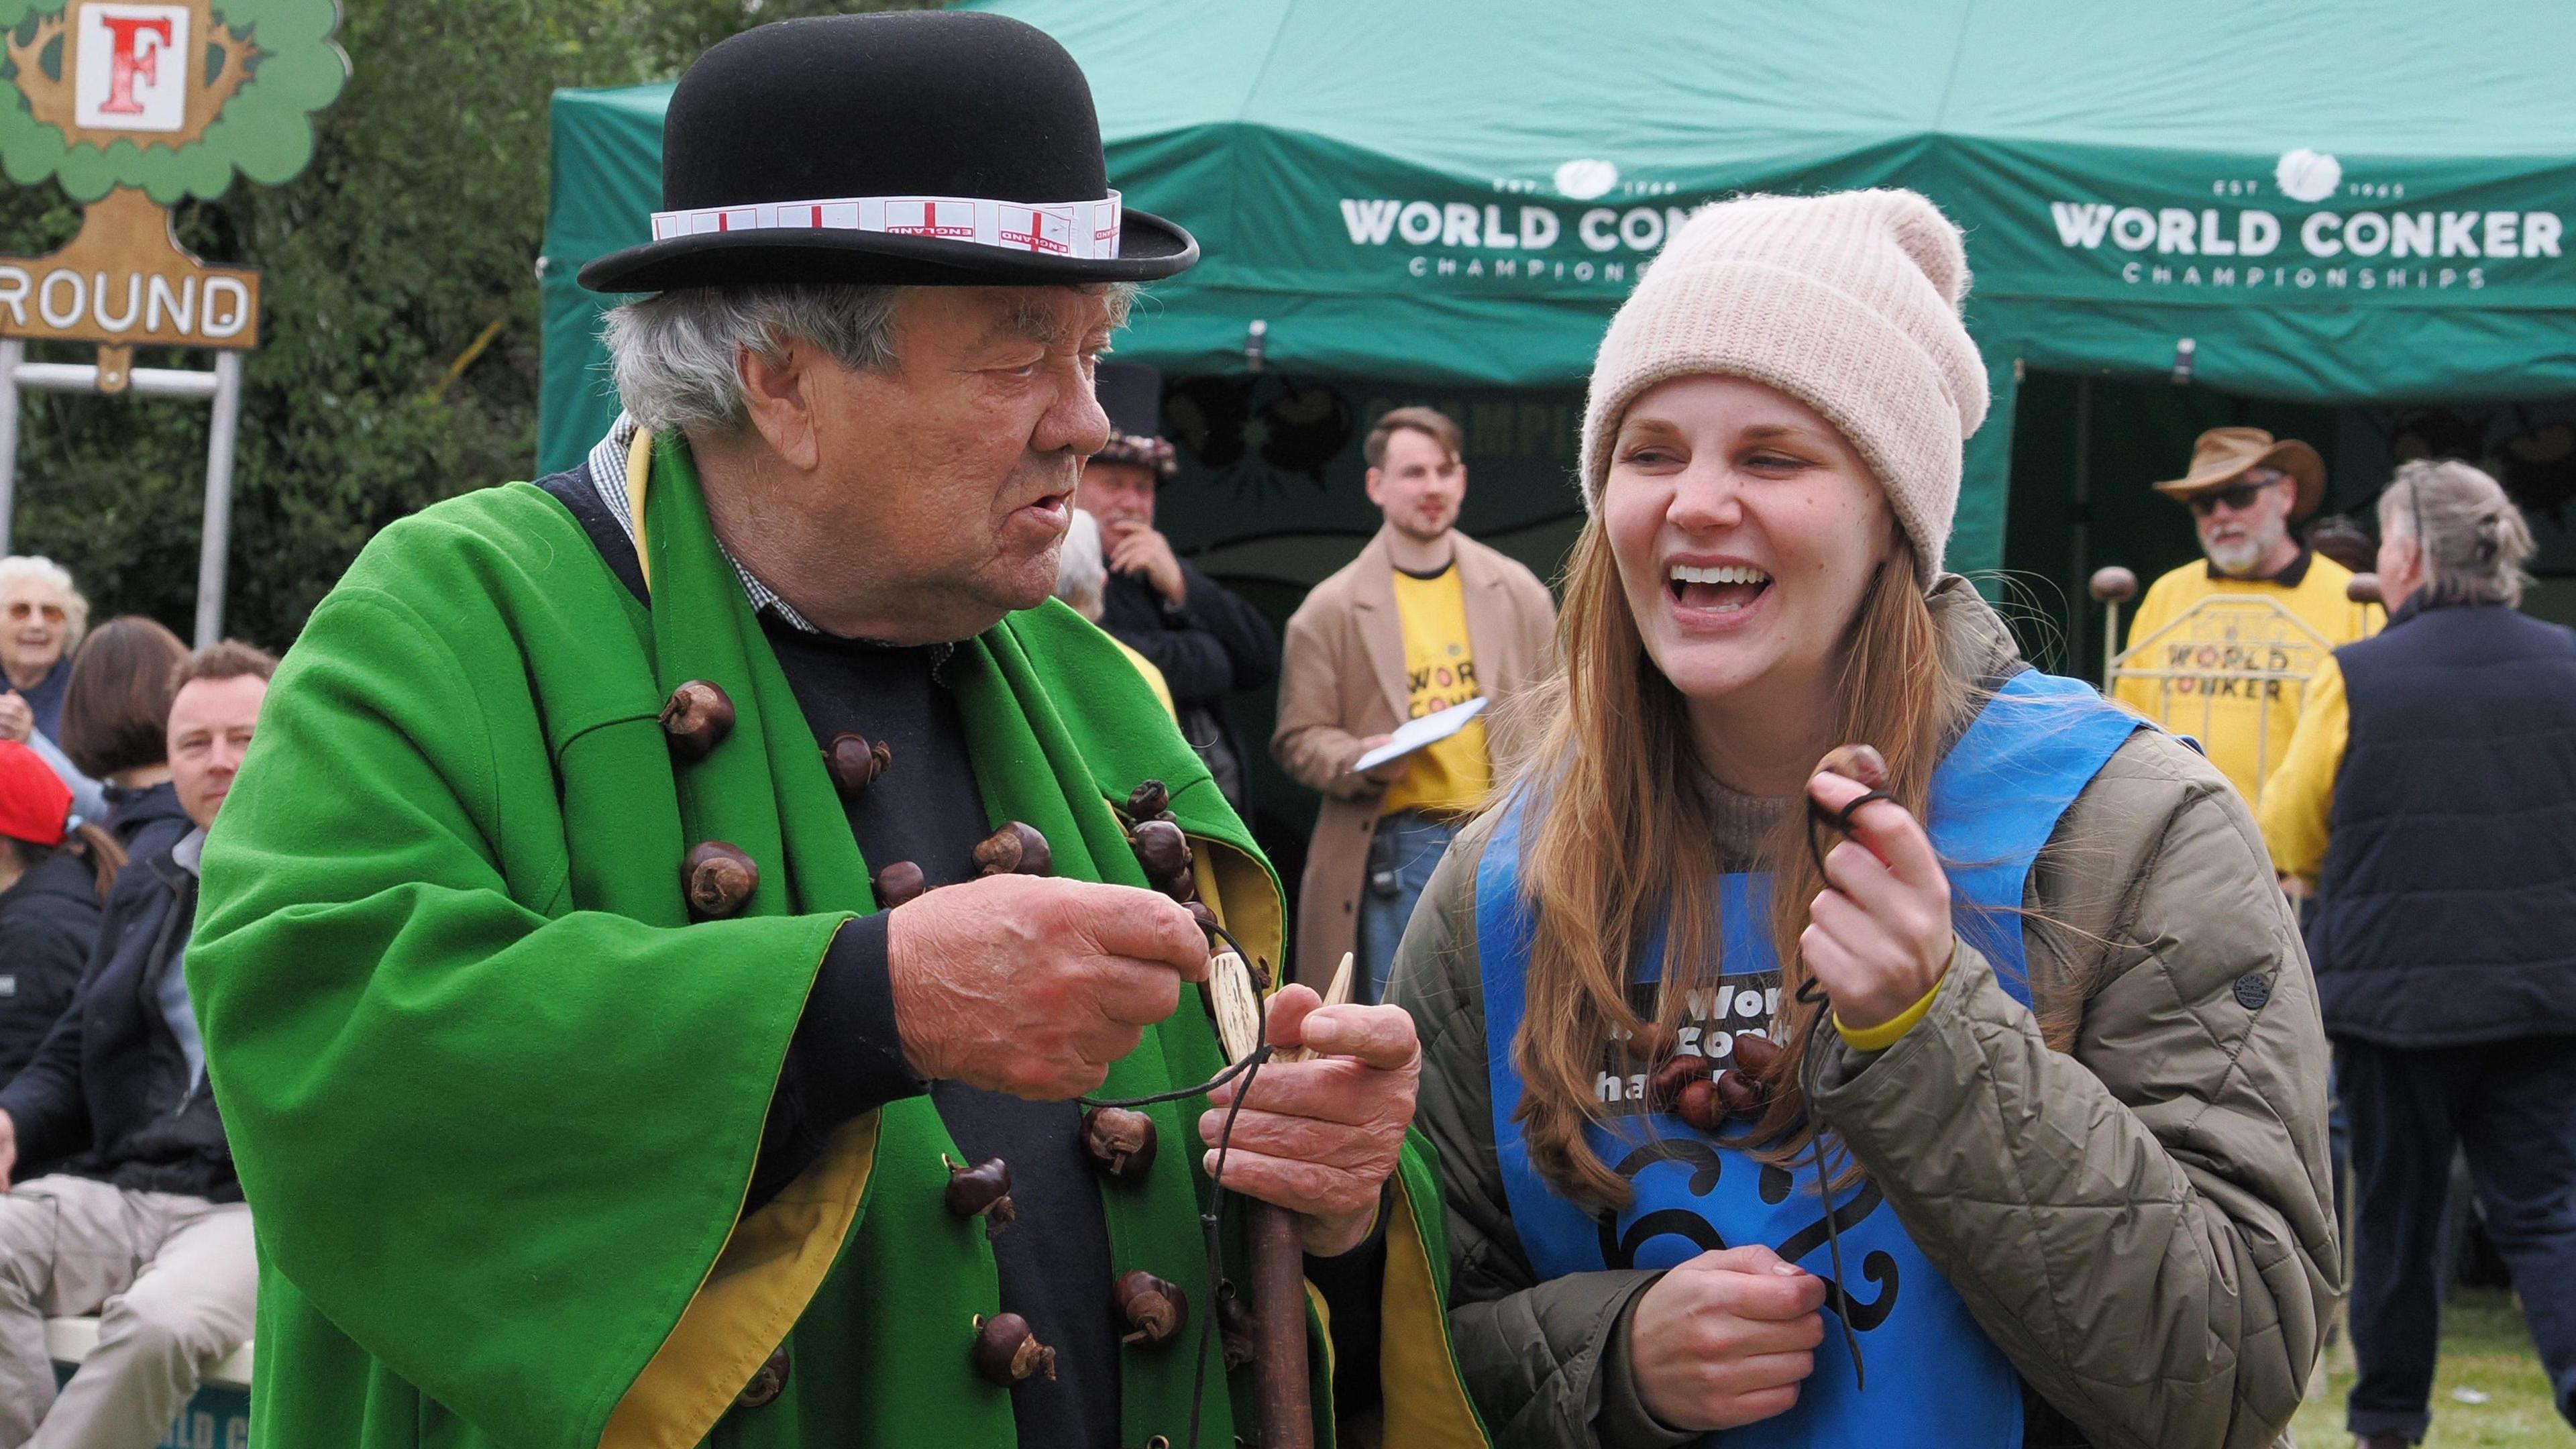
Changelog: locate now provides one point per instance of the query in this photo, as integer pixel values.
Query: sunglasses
(20, 611)
(2237, 497)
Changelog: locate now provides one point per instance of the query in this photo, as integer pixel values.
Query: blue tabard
(1934, 1377)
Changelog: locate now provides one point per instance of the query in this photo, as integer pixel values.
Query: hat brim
(2289, 455)
(1149, 248)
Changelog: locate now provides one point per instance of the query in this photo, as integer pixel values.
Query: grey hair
(2472, 539)
(1081, 573)
(34, 568)
(673, 353)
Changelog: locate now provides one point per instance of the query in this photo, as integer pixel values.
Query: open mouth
(1723, 589)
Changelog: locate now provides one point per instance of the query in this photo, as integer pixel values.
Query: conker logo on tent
(1526, 240)
(2375, 242)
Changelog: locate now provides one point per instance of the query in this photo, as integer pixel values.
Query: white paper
(1413, 734)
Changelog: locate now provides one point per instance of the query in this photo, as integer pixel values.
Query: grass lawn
(2484, 1349)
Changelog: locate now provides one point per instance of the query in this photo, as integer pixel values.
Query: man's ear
(1375, 480)
(778, 396)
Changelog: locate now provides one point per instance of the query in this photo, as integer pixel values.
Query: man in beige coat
(1425, 619)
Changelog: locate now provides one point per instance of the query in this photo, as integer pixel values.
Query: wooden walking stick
(1280, 1385)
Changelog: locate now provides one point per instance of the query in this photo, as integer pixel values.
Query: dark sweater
(48, 927)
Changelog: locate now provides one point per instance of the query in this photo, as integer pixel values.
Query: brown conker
(717, 878)
(853, 763)
(697, 719)
(1697, 1104)
(982, 1190)
(1015, 849)
(1153, 1309)
(1161, 849)
(1121, 1142)
(898, 882)
(1665, 1086)
(1233, 1326)
(1757, 1056)
(1148, 800)
(1738, 1095)
(1205, 915)
(1856, 762)
(1006, 1351)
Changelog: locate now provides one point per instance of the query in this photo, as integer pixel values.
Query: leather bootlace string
(1811, 992)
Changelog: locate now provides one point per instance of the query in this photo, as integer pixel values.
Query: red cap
(34, 801)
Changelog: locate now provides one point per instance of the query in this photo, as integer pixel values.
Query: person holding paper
(1424, 620)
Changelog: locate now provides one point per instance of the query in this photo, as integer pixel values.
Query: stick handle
(1279, 1326)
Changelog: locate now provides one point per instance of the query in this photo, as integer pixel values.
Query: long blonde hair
(1620, 846)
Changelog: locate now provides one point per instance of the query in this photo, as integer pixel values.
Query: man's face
(1420, 485)
(944, 483)
(1118, 494)
(2242, 523)
(210, 726)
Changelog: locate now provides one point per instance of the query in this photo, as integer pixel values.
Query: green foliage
(414, 231)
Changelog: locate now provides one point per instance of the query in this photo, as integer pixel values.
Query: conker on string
(1698, 1105)
(1161, 849)
(1120, 1141)
(697, 719)
(1148, 800)
(1738, 1095)
(1665, 1086)
(898, 882)
(717, 878)
(1233, 1326)
(983, 1190)
(1015, 849)
(1006, 1351)
(1757, 1056)
(853, 763)
(1151, 1308)
(1205, 915)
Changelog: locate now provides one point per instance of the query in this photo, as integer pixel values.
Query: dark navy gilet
(1934, 1378)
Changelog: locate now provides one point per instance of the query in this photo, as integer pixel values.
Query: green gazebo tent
(2347, 220)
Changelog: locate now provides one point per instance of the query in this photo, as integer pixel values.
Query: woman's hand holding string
(1725, 1339)
(1879, 936)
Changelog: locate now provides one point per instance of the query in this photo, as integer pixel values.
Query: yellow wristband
(1884, 1035)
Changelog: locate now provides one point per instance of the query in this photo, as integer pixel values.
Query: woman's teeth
(1724, 589)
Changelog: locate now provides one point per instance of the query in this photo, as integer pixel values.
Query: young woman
(116, 718)
(2040, 1011)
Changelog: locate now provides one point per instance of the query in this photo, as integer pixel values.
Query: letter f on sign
(128, 60)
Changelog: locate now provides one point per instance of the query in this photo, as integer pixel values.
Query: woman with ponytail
(1969, 1096)
(2429, 795)
(55, 870)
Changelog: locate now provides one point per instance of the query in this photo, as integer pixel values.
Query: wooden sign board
(126, 282)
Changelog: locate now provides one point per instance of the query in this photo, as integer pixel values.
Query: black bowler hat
(922, 148)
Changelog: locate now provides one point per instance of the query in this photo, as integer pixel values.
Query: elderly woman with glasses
(42, 618)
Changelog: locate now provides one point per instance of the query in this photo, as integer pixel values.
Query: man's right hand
(8, 1150)
(17, 718)
(1725, 1339)
(1033, 986)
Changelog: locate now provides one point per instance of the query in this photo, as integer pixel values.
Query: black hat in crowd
(922, 148)
(1132, 394)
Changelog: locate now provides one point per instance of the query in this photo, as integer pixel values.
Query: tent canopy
(2309, 201)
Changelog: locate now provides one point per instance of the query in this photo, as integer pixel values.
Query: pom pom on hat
(1848, 303)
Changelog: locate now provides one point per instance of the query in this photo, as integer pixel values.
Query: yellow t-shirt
(2233, 675)
(1449, 777)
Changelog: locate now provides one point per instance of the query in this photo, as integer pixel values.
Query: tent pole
(2079, 518)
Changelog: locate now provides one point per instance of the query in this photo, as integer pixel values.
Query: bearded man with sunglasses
(2231, 676)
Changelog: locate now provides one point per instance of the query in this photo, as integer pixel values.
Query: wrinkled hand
(17, 718)
(1879, 935)
(1137, 549)
(1725, 1339)
(1034, 986)
(1319, 1137)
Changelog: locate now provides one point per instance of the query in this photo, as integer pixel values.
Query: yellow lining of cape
(1424, 1403)
(769, 1270)
(639, 464)
(1246, 903)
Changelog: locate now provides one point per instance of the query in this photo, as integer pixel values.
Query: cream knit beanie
(1848, 303)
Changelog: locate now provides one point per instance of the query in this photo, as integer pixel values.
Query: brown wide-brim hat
(2222, 455)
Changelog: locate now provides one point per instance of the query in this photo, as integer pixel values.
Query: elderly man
(2232, 677)
(622, 1017)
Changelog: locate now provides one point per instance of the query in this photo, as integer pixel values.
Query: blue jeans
(1409, 845)
(2508, 1106)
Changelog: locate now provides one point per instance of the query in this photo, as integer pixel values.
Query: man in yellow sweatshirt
(2222, 650)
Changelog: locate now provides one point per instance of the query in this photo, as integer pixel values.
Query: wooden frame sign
(125, 281)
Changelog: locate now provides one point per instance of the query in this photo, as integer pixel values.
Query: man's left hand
(1137, 549)
(1319, 1137)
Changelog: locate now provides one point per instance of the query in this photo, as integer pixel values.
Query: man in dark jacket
(146, 1220)
(49, 903)
(2430, 791)
(1207, 642)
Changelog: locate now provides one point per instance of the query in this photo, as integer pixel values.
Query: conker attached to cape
(1006, 1351)
(1121, 1142)
(853, 763)
(1233, 1326)
(982, 1190)
(717, 878)
(1015, 849)
(1152, 1309)
(1148, 800)
(1205, 915)
(1161, 849)
(697, 719)
(898, 882)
